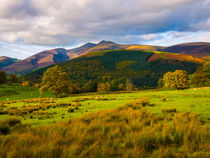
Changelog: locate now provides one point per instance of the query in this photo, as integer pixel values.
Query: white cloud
(172, 38)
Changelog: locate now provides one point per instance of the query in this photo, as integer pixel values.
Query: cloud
(173, 37)
(65, 22)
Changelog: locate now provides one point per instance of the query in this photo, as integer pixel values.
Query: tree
(160, 83)
(12, 78)
(26, 84)
(177, 79)
(3, 77)
(91, 86)
(55, 80)
(129, 85)
(104, 87)
(202, 75)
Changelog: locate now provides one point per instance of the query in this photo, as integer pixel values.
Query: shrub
(71, 109)
(4, 129)
(171, 110)
(3, 112)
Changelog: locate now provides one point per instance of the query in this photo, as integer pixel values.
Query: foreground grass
(127, 131)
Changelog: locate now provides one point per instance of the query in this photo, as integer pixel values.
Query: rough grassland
(42, 112)
(128, 131)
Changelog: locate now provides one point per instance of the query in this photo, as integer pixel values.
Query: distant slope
(145, 47)
(41, 59)
(49, 57)
(6, 61)
(73, 53)
(144, 68)
(197, 49)
(109, 45)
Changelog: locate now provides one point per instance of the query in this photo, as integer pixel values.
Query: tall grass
(127, 131)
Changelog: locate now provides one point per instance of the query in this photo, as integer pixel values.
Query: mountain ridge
(58, 55)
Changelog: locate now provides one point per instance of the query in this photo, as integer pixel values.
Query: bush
(4, 129)
(71, 109)
(171, 110)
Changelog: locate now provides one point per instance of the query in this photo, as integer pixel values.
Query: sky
(30, 26)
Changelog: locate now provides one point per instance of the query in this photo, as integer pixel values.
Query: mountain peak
(4, 57)
(105, 42)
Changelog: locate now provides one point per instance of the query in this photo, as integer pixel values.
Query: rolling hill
(196, 49)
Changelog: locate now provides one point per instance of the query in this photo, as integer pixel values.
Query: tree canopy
(202, 75)
(3, 77)
(56, 80)
(177, 79)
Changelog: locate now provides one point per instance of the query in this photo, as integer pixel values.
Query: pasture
(47, 110)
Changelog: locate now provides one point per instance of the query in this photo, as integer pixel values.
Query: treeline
(113, 70)
(4, 78)
(57, 80)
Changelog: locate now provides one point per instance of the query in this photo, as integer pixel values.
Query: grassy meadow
(152, 123)
(42, 110)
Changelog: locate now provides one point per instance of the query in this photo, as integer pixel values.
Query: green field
(152, 123)
(50, 110)
(13, 92)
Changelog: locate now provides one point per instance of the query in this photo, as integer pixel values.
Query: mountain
(49, 57)
(6, 61)
(41, 59)
(73, 53)
(197, 49)
(109, 45)
(144, 68)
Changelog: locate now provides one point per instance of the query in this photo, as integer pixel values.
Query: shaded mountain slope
(49, 57)
(6, 61)
(41, 59)
(197, 49)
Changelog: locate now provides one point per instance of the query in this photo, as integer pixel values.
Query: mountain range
(48, 57)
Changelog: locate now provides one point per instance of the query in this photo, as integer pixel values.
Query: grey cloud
(48, 22)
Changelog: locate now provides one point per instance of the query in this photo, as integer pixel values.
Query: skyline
(30, 26)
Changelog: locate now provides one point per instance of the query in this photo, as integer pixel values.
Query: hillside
(144, 68)
(41, 59)
(197, 49)
(49, 57)
(6, 61)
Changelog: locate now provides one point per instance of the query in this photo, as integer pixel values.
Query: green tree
(3, 77)
(160, 83)
(202, 75)
(177, 79)
(56, 80)
(91, 86)
(12, 78)
(129, 85)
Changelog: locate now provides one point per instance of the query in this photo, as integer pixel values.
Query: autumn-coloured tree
(3, 77)
(104, 87)
(177, 79)
(26, 84)
(36, 85)
(55, 80)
